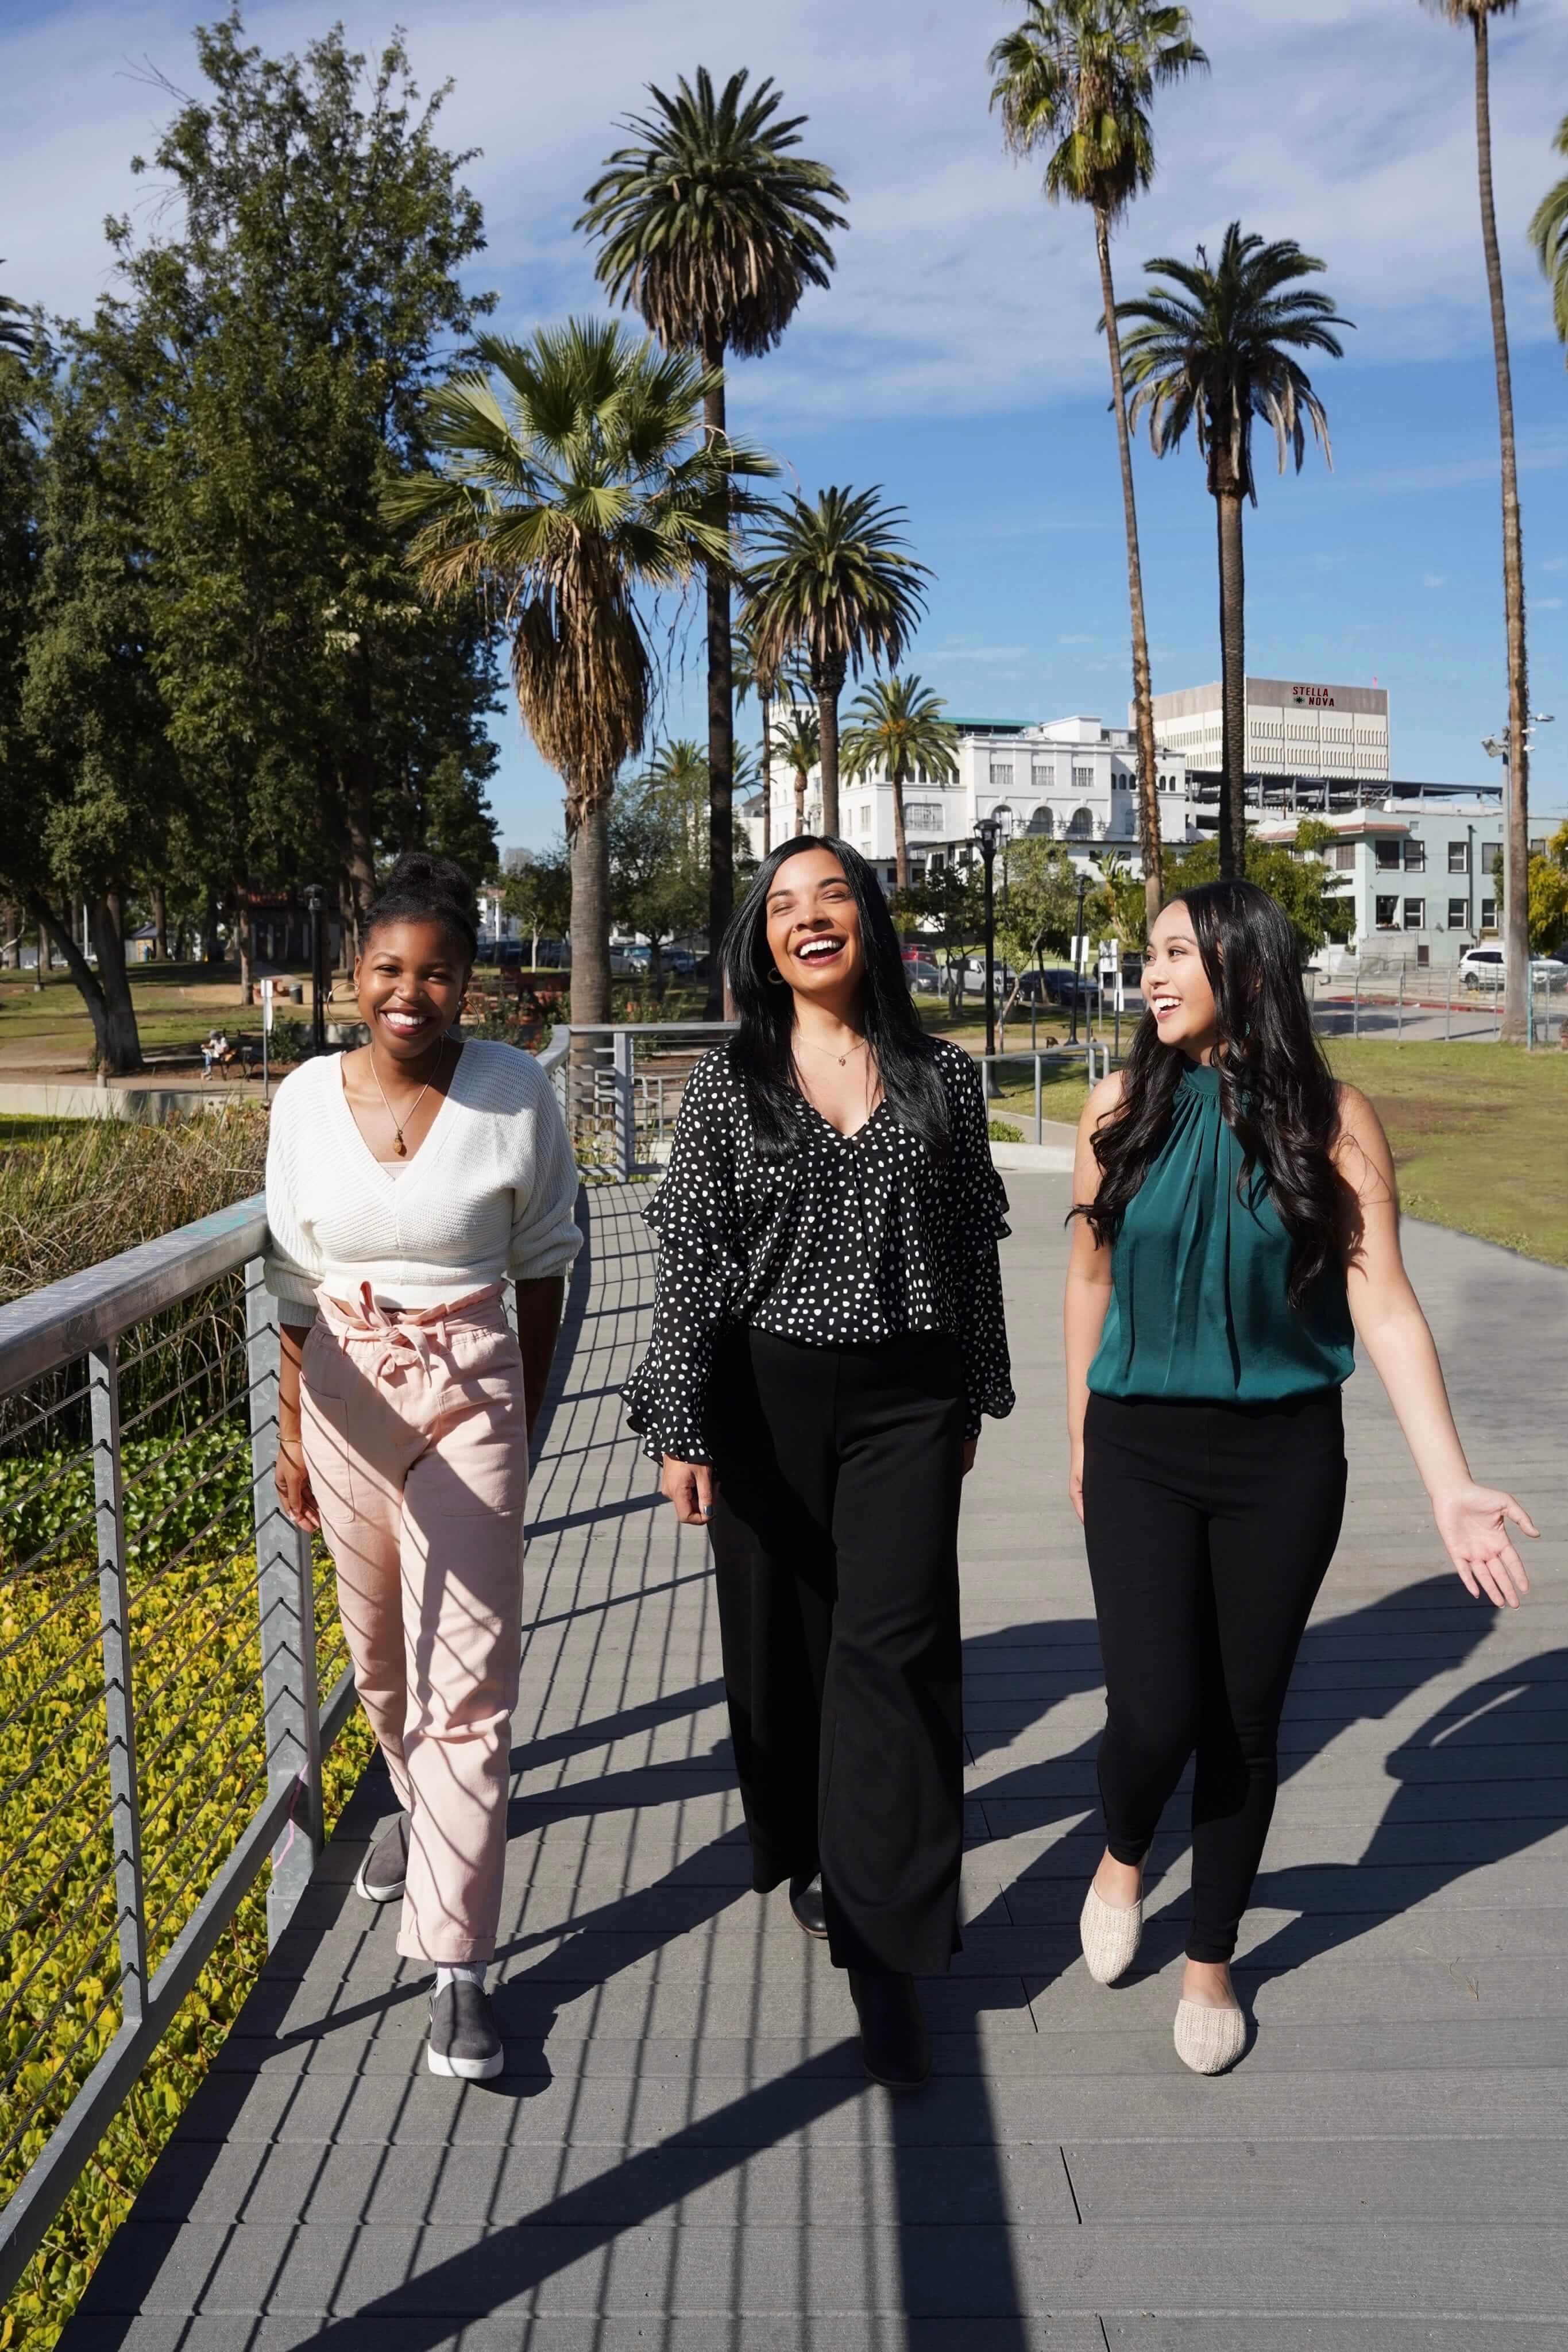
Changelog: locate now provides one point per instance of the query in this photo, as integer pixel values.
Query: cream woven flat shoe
(1112, 1933)
(1208, 2040)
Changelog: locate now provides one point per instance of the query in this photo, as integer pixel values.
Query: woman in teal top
(1237, 1229)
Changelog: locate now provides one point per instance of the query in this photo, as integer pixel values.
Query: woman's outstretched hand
(690, 1486)
(1473, 1522)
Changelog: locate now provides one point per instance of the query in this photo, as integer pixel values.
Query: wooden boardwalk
(684, 2154)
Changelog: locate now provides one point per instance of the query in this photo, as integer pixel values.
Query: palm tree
(1477, 15)
(833, 581)
(800, 747)
(751, 675)
(712, 227)
(1214, 349)
(15, 333)
(896, 725)
(1079, 75)
(1549, 234)
(579, 481)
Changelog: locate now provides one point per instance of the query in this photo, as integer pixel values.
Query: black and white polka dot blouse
(849, 1239)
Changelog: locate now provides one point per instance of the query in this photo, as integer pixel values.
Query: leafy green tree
(945, 909)
(659, 842)
(539, 895)
(1038, 911)
(575, 479)
(1295, 874)
(85, 778)
(276, 332)
(800, 747)
(897, 726)
(15, 328)
(1549, 234)
(1213, 350)
(1079, 77)
(712, 227)
(1476, 14)
(1548, 905)
(832, 583)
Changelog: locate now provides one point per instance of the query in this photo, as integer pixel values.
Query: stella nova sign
(1311, 697)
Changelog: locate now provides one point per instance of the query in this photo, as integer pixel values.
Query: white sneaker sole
(374, 1894)
(465, 2070)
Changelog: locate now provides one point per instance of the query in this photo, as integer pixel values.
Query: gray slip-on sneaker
(463, 2038)
(382, 1872)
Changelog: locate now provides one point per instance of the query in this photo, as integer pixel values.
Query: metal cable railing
(619, 1086)
(164, 1633)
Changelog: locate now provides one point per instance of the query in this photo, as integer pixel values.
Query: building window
(1043, 775)
(1341, 857)
(923, 817)
(1415, 858)
(1042, 824)
(865, 816)
(1459, 914)
(1415, 914)
(1489, 914)
(1458, 857)
(1001, 775)
(1083, 779)
(1387, 857)
(1387, 914)
(1080, 825)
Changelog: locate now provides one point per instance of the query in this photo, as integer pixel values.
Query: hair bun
(421, 870)
(422, 888)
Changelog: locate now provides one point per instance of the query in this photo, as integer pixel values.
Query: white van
(1484, 966)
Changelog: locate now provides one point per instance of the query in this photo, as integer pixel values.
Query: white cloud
(1434, 580)
(1076, 638)
(1546, 604)
(958, 288)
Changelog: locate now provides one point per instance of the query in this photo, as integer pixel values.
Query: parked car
(1487, 966)
(923, 976)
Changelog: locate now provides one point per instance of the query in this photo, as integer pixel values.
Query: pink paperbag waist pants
(416, 1437)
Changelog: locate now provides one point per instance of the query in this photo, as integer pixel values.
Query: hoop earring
(775, 977)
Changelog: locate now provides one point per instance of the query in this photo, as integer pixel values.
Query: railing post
(286, 1602)
(119, 1703)
(624, 1044)
(1040, 1128)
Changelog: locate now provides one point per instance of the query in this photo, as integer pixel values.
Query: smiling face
(1176, 987)
(409, 982)
(814, 930)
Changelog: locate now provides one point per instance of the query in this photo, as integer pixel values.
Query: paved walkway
(684, 2153)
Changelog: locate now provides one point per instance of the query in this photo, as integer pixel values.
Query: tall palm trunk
(1516, 864)
(1233, 681)
(901, 833)
(590, 861)
(801, 781)
(1142, 685)
(830, 685)
(720, 721)
(767, 774)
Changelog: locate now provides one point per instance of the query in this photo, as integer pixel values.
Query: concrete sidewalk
(684, 2152)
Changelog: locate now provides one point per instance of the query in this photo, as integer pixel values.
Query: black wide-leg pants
(1210, 1529)
(836, 1543)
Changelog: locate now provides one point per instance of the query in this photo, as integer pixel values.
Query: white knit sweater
(491, 1192)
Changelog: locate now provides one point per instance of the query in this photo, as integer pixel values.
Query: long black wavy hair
(1275, 1092)
(763, 1051)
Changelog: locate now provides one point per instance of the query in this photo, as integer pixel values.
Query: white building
(1067, 780)
(1418, 866)
(1294, 728)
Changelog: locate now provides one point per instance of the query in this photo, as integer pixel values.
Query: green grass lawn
(1479, 1133)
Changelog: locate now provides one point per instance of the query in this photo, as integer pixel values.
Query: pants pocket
(328, 1454)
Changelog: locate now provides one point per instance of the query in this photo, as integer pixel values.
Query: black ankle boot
(894, 2040)
(806, 1902)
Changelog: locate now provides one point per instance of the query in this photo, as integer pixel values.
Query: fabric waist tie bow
(408, 1334)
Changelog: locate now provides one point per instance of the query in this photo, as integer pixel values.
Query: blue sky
(954, 359)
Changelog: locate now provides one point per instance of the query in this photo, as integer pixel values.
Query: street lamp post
(987, 833)
(315, 900)
(1078, 955)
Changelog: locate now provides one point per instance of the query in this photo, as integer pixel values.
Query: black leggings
(835, 1542)
(1210, 1530)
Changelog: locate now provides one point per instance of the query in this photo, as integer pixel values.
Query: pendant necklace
(839, 1058)
(400, 1148)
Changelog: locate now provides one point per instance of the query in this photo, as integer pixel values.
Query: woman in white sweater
(405, 1181)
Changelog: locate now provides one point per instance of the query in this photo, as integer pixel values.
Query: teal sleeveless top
(1198, 1309)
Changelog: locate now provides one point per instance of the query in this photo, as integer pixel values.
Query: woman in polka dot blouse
(826, 1335)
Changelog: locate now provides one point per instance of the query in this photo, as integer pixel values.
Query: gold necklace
(400, 1148)
(839, 1058)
